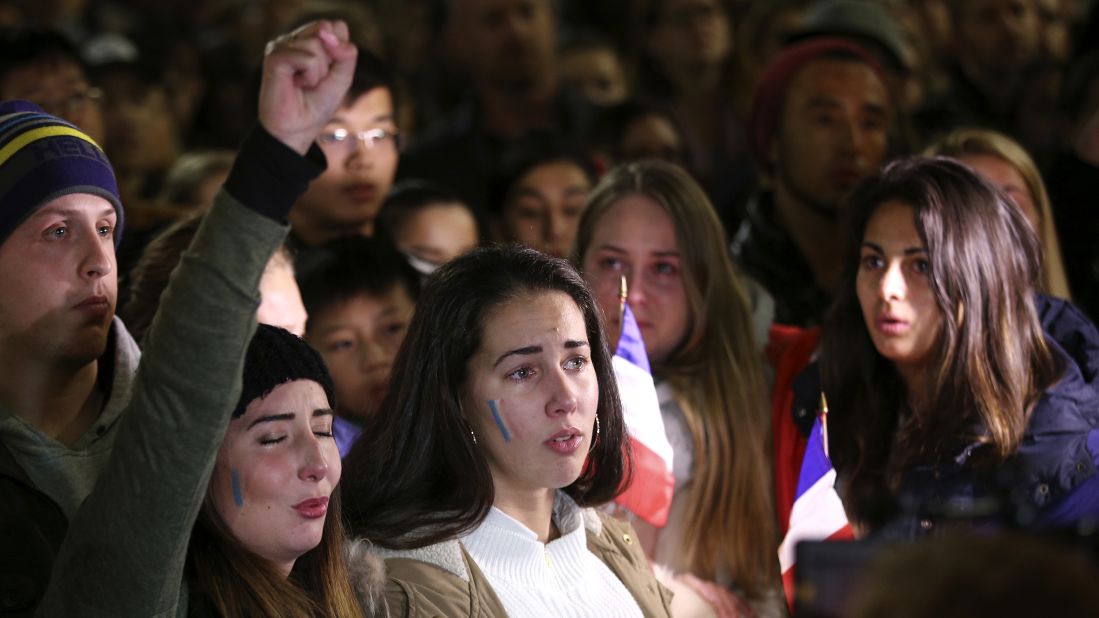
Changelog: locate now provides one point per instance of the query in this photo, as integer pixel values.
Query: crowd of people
(375, 264)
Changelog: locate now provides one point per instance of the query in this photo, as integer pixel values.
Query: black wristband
(268, 176)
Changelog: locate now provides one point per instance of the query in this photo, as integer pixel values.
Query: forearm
(126, 548)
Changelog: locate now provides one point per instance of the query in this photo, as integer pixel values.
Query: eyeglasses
(371, 138)
(72, 103)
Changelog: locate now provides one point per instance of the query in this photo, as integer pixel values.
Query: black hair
(22, 47)
(535, 148)
(349, 267)
(612, 124)
(372, 72)
(409, 197)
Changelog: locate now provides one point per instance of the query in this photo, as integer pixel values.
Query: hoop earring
(596, 437)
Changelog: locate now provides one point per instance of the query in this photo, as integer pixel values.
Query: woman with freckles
(502, 426)
(958, 395)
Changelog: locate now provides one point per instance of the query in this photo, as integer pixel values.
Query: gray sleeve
(126, 548)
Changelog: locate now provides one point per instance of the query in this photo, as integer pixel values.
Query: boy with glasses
(362, 145)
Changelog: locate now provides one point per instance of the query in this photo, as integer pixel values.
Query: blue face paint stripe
(499, 419)
(238, 497)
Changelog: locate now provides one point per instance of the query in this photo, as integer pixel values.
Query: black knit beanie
(276, 356)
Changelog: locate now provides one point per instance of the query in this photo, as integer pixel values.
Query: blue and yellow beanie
(42, 158)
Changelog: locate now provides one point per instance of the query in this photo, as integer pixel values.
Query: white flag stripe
(817, 514)
(641, 408)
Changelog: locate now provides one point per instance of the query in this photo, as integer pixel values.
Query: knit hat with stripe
(42, 158)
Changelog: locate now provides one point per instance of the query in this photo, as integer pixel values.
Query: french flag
(818, 513)
(649, 494)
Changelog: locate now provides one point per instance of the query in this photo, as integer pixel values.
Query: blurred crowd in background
(169, 89)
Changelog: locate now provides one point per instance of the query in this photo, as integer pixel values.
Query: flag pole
(824, 422)
(622, 292)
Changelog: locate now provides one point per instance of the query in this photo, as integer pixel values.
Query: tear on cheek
(238, 495)
(494, 407)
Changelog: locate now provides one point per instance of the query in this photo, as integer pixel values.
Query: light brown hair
(962, 142)
(717, 375)
(236, 582)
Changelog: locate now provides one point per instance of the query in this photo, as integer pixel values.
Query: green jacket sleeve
(126, 548)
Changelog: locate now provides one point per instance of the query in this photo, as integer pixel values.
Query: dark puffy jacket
(1051, 480)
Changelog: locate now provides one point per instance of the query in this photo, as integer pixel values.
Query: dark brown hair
(415, 477)
(991, 361)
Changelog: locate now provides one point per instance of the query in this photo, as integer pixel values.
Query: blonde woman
(1007, 165)
(650, 222)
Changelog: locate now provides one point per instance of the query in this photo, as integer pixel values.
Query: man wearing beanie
(820, 121)
(102, 472)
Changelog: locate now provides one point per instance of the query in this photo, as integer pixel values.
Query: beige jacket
(442, 580)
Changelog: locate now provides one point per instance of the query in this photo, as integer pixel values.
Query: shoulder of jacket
(446, 556)
(616, 544)
(437, 580)
(608, 535)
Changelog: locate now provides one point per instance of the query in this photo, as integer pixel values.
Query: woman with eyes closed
(501, 427)
(269, 538)
(956, 393)
(651, 223)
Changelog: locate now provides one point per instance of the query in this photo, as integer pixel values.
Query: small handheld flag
(818, 512)
(649, 494)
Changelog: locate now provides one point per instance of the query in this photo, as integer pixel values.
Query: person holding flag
(650, 223)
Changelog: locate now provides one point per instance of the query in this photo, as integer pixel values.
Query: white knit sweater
(559, 578)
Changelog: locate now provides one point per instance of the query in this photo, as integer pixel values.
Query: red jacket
(790, 349)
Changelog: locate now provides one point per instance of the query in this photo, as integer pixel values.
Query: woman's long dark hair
(415, 477)
(991, 361)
